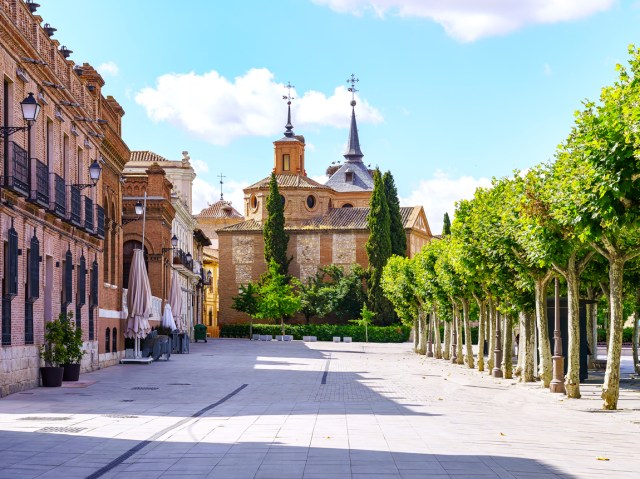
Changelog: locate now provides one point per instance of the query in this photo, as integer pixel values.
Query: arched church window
(286, 162)
(347, 205)
(284, 200)
(253, 202)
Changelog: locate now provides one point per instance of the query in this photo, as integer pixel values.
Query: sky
(451, 92)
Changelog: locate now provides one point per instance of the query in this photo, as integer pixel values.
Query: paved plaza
(242, 409)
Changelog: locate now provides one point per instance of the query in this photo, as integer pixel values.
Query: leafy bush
(627, 335)
(324, 332)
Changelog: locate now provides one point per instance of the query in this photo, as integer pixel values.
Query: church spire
(289, 127)
(353, 152)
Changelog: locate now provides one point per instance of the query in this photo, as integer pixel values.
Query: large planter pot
(71, 372)
(51, 376)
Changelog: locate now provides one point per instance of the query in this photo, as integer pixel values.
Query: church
(326, 223)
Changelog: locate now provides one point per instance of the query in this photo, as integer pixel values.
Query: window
(348, 176)
(65, 156)
(347, 205)
(286, 162)
(253, 202)
(114, 342)
(311, 202)
(107, 340)
(49, 152)
(283, 199)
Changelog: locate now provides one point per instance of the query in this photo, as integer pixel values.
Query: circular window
(253, 202)
(311, 202)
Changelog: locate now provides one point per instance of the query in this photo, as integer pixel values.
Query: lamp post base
(496, 372)
(557, 383)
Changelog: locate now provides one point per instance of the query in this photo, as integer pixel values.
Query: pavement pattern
(246, 409)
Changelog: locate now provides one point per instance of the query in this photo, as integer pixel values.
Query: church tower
(289, 150)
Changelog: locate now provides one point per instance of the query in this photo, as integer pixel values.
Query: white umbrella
(175, 301)
(167, 318)
(138, 301)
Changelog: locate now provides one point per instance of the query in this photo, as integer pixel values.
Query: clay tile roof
(289, 181)
(336, 219)
(249, 225)
(146, 156)
(220, 209)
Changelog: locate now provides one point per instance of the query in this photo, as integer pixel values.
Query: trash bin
(200, 332)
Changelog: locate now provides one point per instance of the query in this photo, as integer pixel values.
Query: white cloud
(206, 193)
(199, 166)
(546, 68)
(469, 20)
(439, 194)
(108, 68)
(322, 179)
(219, 110)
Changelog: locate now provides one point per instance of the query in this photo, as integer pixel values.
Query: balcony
(100, 221)
(76, 207)
(17, 175)
(180, 259)
(88, 214)
(59, 204)
(41, 193)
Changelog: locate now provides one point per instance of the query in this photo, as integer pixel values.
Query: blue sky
(451, 92)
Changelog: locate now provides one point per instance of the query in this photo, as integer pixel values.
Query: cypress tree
(378, 248)
(446, 225)
(275, 238)
(398, 236)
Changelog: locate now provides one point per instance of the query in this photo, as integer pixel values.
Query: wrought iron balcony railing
(59, 204)
(17, 176)
(88, 214)
(41, 192)
(76, 207)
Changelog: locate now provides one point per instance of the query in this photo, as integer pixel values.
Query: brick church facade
(327, 224)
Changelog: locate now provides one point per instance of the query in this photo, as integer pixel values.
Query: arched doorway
(127, 257)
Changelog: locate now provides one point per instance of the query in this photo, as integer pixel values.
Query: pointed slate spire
(353, 153)
(289, 127)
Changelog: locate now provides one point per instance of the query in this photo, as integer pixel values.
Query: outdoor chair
(147, 344)
(161, 346)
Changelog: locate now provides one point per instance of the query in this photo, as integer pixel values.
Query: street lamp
(95, 170)
(139, 209)
(188, 257)
(557, 383)
(174, 244)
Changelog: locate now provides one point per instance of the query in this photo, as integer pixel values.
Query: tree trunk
(447, 341)
(519, 344)
(422, 326)
(491, 320)
(416, 334)
(435, 325)
(545, 368)
(634, 345)
(611, 386)
(458, 318)
(528, 346)
(481, 324)
(282, 325)
(467, 333)
(507, 348)
(572, 275)
(593, 346)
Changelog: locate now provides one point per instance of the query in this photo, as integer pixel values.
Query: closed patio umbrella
(167, 318)
(138, 301)
(175, 301)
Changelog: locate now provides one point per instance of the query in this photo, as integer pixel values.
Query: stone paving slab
(245, 409)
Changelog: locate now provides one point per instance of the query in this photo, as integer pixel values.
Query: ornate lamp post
(496, 372)
(557, 383)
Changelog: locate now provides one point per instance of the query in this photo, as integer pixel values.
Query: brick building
(52, 216)
(326, 223)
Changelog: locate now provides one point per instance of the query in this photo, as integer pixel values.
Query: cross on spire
(221, 182)
(353, 80)
(289, 127)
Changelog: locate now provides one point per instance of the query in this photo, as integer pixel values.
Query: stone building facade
(211, 219)
(52, 217)
(327, 224)
(178, 180)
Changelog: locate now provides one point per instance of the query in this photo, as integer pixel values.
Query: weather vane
(288, 96)
(353, 80)
(221, 182)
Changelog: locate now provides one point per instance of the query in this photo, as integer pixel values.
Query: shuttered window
(67, 280)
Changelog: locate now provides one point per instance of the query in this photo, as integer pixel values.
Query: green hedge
(324, 332)
(627, 335)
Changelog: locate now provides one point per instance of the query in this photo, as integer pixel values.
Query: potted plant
(72, 340)
(54, 354)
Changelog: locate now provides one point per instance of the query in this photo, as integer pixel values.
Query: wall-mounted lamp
(95, 170)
